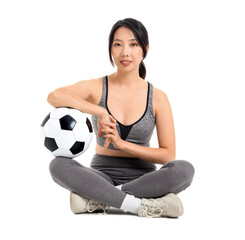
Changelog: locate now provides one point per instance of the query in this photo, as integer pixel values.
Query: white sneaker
(81, 205)
(167, 206)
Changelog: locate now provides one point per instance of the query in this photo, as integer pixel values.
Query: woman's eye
(134, 44)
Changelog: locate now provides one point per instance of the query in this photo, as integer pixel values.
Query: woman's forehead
(124, 34)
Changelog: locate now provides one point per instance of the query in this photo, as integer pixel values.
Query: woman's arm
(165, 133)
(76, 96)
(149, 154)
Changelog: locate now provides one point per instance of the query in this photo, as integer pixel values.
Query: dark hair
(140, 34)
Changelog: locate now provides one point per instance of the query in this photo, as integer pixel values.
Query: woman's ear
(147, 48)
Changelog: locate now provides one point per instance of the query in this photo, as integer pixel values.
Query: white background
(196, 57)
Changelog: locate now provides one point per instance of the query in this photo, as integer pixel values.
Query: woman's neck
(126, 80)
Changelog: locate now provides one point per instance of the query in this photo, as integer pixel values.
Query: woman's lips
(125, 63)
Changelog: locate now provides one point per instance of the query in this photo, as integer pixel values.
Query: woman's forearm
(155, 155)
(66, 98)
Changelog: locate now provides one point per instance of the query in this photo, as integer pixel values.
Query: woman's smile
(125, 63)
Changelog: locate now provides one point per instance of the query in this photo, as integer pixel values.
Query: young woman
(125, 110)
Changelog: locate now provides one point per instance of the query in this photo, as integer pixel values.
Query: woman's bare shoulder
(159, 93)
(160, 99)
(89, 82)
(94, 87)
(86, 89)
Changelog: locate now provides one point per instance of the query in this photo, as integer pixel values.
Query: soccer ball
(66, 132)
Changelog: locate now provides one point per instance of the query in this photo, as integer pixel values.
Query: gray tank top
(139, 132)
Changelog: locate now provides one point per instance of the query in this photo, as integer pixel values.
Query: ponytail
(142, 70)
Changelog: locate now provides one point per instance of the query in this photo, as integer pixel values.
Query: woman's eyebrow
(133, 39)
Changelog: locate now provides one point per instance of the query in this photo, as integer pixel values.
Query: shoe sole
(180, 208)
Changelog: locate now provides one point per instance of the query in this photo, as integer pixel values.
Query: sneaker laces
(92, 206)
(150, 211)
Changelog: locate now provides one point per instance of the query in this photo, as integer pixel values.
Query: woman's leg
(173, 177)
(86, 182)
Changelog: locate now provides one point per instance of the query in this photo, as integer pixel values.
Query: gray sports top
(139, 132)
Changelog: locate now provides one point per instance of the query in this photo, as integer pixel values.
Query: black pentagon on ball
(77, 147)
(45, 120)
(67, 122)
(50, 144)
(89, 125)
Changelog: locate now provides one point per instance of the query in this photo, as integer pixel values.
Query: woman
(125, 109)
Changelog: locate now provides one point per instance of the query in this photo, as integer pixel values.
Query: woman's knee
(58, 165)
(184, 169)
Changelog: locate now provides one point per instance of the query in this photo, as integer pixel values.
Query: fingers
(107, 143)
(99, 134)
(108, 130)
(111, 124)
(113, 119)
(108, 133)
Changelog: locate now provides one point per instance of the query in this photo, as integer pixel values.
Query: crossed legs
(93, 184)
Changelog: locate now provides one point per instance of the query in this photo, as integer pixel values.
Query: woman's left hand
(111, 134)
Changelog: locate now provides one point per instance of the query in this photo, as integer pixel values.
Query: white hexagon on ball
(87, 142)
(65, 139)
(52, 128)
(89, 139)
(81, 131)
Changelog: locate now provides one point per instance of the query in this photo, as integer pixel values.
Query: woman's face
(126, 52)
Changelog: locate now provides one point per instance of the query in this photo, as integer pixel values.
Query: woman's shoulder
(90, 83)
(160, 99)
(86, 89)
(94, 81)
(159, 94)
(96, 86)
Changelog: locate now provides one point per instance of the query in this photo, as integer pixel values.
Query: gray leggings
(138, 178)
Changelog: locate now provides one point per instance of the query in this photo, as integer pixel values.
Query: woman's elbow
(167, 156)
(50, 98)
(171, 156)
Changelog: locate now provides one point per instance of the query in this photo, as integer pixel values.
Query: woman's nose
(125, 51)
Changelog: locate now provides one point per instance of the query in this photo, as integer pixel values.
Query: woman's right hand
(101, 120)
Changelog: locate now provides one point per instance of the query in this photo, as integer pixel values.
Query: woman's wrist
(123, 145)
(102, 113)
